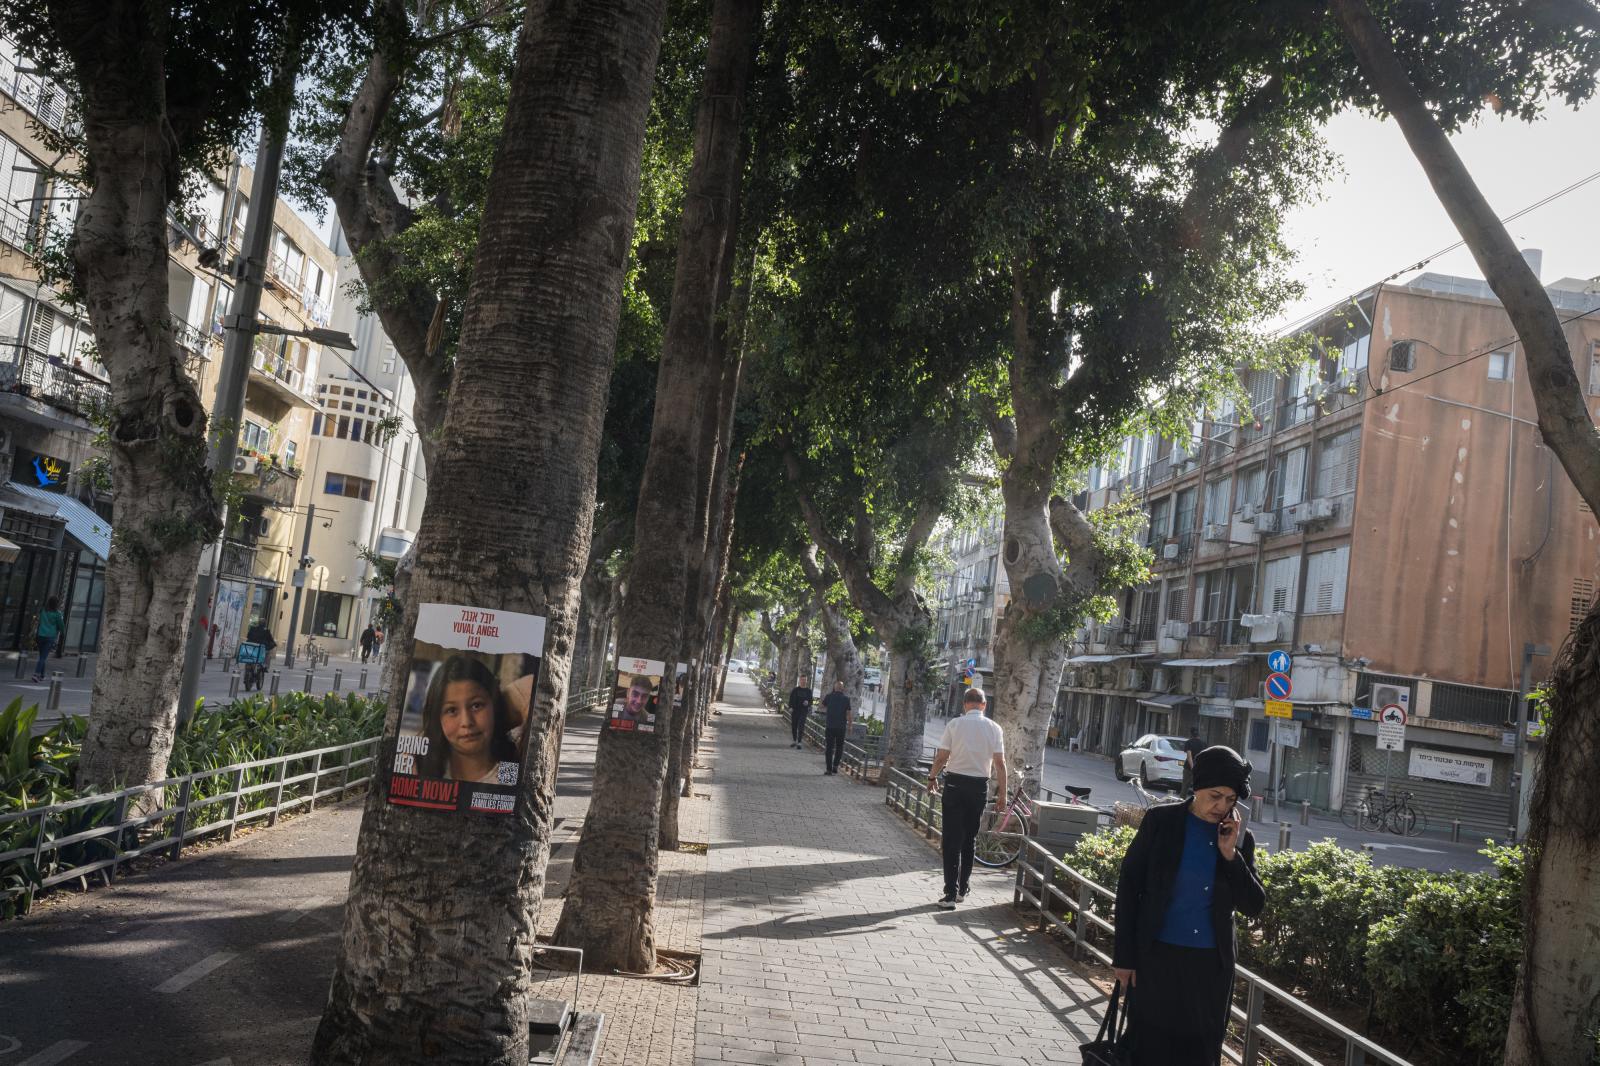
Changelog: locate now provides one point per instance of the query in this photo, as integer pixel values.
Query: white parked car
(737, 666)
(1154, 759)
(874, 677)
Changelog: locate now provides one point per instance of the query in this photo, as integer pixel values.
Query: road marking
(295, 913)
(60, 1051)
(179, 981)
(224, 1061)
(1405, 847)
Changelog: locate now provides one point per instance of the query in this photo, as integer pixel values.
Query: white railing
(1050, 885)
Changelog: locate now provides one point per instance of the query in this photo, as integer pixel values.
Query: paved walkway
(822, 941)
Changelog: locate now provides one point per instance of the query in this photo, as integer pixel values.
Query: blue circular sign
(1279, 662)
(1279, 686)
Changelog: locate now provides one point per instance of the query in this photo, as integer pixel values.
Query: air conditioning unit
(1089, 677)
(1267, 522)
(1299, 514)
(263, 527)
(1384, 695)
(1263, 627)
(1175, 630)
(246, 464)
(1069, 679)
(1215, 531)
(1161, 680)
(1311, 512)
(1169, 551)
(1344, 382)
(1248, 511)
(1322, 509)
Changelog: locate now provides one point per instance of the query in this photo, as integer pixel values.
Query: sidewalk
(813, 907)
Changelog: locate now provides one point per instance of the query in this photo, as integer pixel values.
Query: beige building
(1390, 518)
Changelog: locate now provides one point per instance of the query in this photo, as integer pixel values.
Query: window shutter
(43, 326)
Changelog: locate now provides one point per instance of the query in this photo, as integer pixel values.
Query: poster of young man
(637, 695)
(464, 714)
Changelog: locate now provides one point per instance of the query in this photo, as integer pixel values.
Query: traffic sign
(1280, 709)
(1279, 687)
(1287, 734)
(1393, 714)
(1279, 662)
(1392, 728)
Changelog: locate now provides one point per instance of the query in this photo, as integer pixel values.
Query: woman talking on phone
(1189, 868)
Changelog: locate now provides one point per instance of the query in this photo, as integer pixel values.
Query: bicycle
(1377, 810)
(998, 844)
(253, 659)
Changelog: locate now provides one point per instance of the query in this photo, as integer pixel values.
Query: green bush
(1436, 954)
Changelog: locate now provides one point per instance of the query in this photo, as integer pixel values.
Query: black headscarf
(1222, 767)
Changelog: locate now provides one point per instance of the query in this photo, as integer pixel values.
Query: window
(329, 426)
(1582, 600)
(1185, 513)
(1177, 595)
(1217, 493)
(254, 436)
(1252, 485)
(1258, 734)
(1326, 573)
(1594, 368)
(356, 488)
(1279, 580)
(1338, 458)
(1149, 605)
(344, 428)
(1353, 356)
(1289, 478)
(1160, 513)
(1499, 366)
(288, 453)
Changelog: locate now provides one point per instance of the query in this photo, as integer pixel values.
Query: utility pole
(228, 411)
(1520, 721)
(300, 584)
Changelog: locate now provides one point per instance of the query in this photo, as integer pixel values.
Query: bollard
(308, 680)
(233, 687)
(20, 660)
(338, 679)
(1255, 808)
(205, 660)
(53, 701)
(362, 685)
(272, 689)
(1455, 831)
(1283, 836)
(83, 664)
(1305, 812)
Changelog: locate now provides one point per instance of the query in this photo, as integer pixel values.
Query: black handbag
(1113, 1045)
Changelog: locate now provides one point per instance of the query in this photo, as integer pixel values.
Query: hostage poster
(465, 709)
(636, 698)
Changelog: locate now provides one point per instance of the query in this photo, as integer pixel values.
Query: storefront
(1453, 776)
(1163, 714)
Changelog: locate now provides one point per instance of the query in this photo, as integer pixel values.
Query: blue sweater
(1188, 920)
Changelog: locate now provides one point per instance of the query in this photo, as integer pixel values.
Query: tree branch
(872, 600)
(1085, 563)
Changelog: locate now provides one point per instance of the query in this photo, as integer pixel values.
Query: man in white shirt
(970, 748)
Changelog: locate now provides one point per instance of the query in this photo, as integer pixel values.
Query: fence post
(1255, 999)
(277, 794)
(120, 816)
(185, 791)
(233, 804)
(316, 781)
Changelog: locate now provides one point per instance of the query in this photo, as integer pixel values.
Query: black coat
(1150, 869)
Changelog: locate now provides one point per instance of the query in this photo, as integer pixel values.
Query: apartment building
(1390, 517)
(367, 482)
(973, 592)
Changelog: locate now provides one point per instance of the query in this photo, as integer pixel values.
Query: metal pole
(300, 588)
(1519, 760)
(227, 412)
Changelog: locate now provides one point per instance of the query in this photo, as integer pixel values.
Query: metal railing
(1049, 884)
(31, 373)
(857, 759)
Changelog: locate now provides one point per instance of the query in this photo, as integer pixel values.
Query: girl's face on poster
(467, 717)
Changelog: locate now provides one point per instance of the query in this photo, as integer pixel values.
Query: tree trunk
(610, 905)
(1556, 1006)
(434, 964)
(166, 510)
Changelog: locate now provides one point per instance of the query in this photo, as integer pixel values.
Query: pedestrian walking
(800, 700)
(48, 630)
(836, 718)
(377, 642)
(368, 635)
(971, 747)
(1190, 866)
(1191, 747)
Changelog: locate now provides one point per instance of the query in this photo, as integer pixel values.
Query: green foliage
(1435, 954)
(38, 771)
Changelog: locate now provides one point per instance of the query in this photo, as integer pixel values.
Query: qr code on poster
(506, 773)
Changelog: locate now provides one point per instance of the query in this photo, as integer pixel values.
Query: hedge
(1434, 955)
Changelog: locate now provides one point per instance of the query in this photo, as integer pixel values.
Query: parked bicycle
(1378, 810)
(1000, 840)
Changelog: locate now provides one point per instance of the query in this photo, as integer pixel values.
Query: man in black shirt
(800, 698)
(1191, 747)
(837, 717)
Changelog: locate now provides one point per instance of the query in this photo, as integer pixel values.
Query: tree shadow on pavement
(798, 927)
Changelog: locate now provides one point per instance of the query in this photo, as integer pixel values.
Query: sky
(1380, 214)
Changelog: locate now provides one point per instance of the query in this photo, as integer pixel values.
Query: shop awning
(8, 551)
(19, 497)
(83, 525)
(1203, 663)
(1166, 703)
(1090, 660)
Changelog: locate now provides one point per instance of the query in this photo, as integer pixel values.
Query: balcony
(281, 378)
(197, 346)
(261, 480)
(43, 99)
(51, 380)
(287, 279)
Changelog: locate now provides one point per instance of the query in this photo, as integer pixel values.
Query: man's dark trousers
(833, 749)
(964, 800)
(797, 719)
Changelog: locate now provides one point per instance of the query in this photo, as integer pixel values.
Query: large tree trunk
(843, 660)
(610, 906)
(434, 964)
(156, 437)
(1556, 1007)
